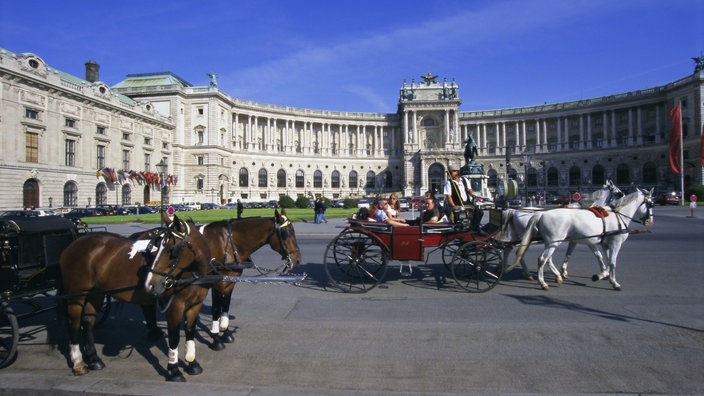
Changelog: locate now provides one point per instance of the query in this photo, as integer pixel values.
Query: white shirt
(460, 186)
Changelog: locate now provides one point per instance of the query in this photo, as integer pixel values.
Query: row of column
(558, 130)
(451, 121)
(304, 136)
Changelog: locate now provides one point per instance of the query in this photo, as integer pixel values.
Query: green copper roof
(151, 79)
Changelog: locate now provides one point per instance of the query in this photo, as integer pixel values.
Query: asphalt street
(419, 334)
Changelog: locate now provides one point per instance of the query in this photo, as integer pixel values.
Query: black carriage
(30, 248)
(356, 260)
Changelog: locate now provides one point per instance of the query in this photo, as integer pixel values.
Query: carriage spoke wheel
(9, 335)
(355, 262)
(476, 266)
(448, 253)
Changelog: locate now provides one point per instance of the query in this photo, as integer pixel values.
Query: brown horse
(135, 272)
(232, 242)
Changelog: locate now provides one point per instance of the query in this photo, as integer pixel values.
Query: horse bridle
(169, 279)
(279, 229)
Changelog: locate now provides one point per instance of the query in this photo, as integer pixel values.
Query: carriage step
(406, 273)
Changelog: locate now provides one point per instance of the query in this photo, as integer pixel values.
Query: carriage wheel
(9, 335)
(448, 253)
(355, 262)
(476, 266)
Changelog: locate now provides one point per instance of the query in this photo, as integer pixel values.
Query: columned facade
(70, 139)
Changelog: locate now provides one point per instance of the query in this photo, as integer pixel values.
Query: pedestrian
(321, 210)
(240, 208)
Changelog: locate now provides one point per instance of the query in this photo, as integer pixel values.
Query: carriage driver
(459, 196)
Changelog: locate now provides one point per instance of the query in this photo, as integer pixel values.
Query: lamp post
(162, 167)
(526, 162)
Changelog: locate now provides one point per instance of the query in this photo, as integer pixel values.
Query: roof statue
(698, 64)
(429, 78)
(213, 79)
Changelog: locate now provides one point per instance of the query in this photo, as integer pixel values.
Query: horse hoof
(595, 278)
(83, 370)
(546, 287)
(617, 288)
(194, 368)
(227, 337)
(529, 277)
(173, 374)
(217, 345)
(155, 334)
(96, 365)
(559, 281)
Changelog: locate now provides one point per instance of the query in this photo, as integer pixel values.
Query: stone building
(69, 141)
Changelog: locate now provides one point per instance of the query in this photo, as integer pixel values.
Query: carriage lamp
(162, 167)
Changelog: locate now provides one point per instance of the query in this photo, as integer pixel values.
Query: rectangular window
(31, 150)
(201, 161)
(147, 161)
(100, 157)
(125, 136)
(70, 123)
(70, 153)
(147, 141)
(100, 130)
(125, 159)
(30, 113)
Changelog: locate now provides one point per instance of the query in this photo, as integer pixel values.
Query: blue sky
(355, 55)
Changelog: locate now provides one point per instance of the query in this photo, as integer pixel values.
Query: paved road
(418, 335)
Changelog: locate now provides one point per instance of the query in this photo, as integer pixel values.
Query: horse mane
(627, 199)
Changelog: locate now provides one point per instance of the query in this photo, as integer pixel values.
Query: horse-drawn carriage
(29, 272)
(356, 259)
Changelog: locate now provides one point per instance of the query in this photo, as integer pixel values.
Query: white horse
(516, 220)
(583, 226)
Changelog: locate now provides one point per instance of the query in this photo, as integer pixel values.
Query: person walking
(321, 211)
(240, 208)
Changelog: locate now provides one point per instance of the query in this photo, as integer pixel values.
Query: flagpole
(681, 158)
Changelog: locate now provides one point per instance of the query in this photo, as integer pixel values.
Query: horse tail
(526, 239)
(506, 231)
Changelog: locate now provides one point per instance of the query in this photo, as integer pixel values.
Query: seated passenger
(431, 214)
(381, 216)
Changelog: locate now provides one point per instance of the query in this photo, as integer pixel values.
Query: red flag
(675, 138)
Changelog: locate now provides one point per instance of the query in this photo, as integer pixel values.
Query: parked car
(338, 203)
(363, 203)
(670, 198)
(78, 213)
(405, 205)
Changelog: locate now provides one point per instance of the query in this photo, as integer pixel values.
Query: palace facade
(75, 141)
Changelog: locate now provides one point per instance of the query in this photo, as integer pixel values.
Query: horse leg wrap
(173, 356)
(190, 351)
(215, 328)
(224, 321)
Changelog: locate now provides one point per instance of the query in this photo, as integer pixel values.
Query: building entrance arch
(30, 193)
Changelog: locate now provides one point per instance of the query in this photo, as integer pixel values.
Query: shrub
(349, 203)
(302, 202)
(286, 202)
(696, 189)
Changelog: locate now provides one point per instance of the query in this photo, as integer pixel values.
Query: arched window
(650, 174)
(262, 178)
(371, 180)
(317, 179)
(436, 178)
(575, 176)
(353, 179)
(428, 122)
(281, 178)
(244, 177)
(553, 177)
(598, 175)
(623, 175)
(493, 181)
(335, 179)
(126, 195)
(101, 194)
(70, 194)
(531, 177)
(30, 194)
(300, 179)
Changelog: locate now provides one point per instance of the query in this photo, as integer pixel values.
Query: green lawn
(208, 216)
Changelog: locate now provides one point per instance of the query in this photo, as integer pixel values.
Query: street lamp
(526, 162)
(162, 167)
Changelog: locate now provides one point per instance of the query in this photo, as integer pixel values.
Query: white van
(192, 205)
